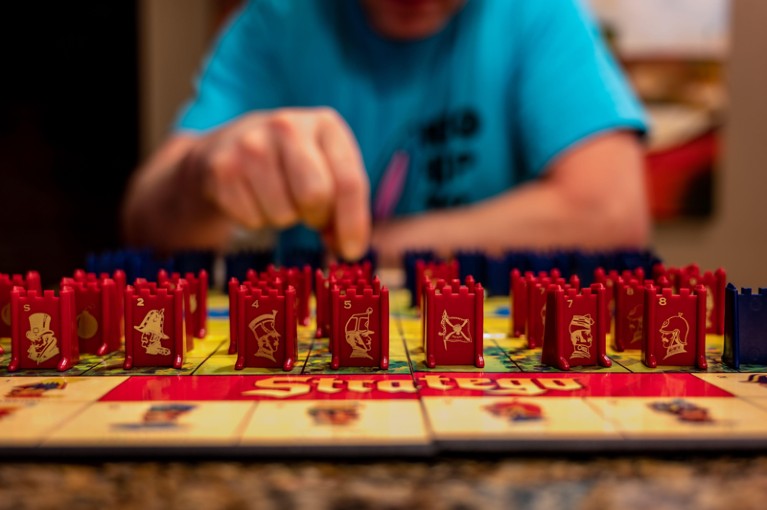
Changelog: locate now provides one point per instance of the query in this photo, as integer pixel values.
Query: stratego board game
(456, 356)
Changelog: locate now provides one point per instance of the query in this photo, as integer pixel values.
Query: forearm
(165, 207)
(593, 199)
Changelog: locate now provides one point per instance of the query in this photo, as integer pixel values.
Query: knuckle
(255, 145)
(284, 124)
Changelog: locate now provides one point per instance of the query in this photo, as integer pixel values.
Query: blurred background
(91, 88)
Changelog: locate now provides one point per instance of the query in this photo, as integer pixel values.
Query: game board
(513, 404)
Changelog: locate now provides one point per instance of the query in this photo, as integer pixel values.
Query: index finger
(351, 209)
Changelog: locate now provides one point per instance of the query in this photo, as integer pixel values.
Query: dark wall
(68, 130)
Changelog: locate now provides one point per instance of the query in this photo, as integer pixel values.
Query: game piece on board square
(453, 323)
(30, 281)
(234, 288)
(299, 278)
(629, 314)
(430, 272)
(338, 274)
(267, 328)
(195, 301)
(609, 278)
(44, 330)
(536, 305)
(409, 259)
(674, 330)
(574, 331)
(519, 297)
(97, 314)
(154, 326)
(745, 333)
(359, 335)
(715, 283)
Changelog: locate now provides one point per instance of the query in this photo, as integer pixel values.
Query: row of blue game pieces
(491, 271)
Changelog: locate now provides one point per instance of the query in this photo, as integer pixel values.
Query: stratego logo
(296, 386)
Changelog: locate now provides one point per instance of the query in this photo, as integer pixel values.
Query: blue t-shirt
(477, 108)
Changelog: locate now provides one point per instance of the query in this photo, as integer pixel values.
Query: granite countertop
(620, 482)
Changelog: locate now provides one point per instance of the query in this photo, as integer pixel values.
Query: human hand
(289, 166)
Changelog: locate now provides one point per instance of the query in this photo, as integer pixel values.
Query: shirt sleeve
(570, 87)
(238, 75)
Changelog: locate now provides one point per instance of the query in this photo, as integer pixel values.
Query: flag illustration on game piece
(453, 323)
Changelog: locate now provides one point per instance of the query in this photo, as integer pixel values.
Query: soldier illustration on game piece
(358, 334)
(580, 336)
(44, 344)
(454, 329)
(674, 331)
(267, 337)
(152, 333)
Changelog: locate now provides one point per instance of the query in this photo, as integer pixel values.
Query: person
(401, 125)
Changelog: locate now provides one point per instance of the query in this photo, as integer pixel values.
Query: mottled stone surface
(651, 483)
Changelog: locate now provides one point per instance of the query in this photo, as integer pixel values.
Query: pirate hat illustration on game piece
(153, 324)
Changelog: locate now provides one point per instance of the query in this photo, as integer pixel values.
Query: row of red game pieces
(348, 302)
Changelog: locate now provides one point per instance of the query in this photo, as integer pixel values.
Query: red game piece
(536, 305)
(338, 273)
(715, 283)
(234, 309)
(575, 333)
(430, 272)
(519, 296)
(267, 328)
(609, 280)
(154, 326)
(360, 326)
(43, 330)
(299, 279)
(31, 281)
(453, 323)
(195, 301)
(629, 314)
(675, 327)
(98, 318)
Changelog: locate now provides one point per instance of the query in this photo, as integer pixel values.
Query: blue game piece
(745, 327)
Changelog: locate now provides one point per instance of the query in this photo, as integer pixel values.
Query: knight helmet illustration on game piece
(152, 333)
(454, 329)
(43, 345)
(580, 336)
(358, 334)
(674, 331)
(267, 337)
